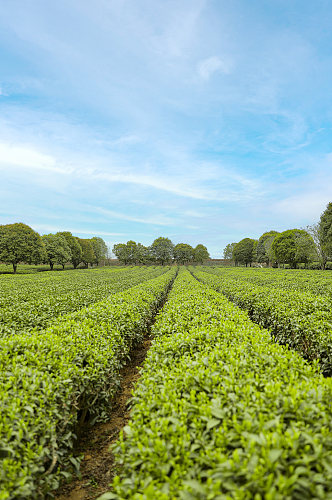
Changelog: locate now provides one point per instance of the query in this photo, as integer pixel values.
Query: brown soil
(94, 443)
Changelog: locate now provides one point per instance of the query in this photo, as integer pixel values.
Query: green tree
(120, 251)
(326, 230)
(88, 256)
(20, 243)
(264, 247)
(201, 254)
(244, 251)
(183, 253)
(162, 250)
(315, 232)
(75, 248)
(57, 249)
(99, 249)
(142, 254)
(228, 251)
(293, 246)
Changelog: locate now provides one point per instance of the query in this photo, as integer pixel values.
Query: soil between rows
(97, 467)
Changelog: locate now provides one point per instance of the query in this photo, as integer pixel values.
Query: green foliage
(244, 251)
(201, 254)
(293, 246)
(75, 248)
(33, 302)
(65, 374)
(131, 253)
(100, 249)
(57, 249)
(183, 253)
(20, 243)
(264, 247)
(162, 250)
(228, 251)
(326, 230)
(88, 256)
(223, 412)
(300, 319)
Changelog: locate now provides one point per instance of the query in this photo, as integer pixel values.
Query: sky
(205, 121)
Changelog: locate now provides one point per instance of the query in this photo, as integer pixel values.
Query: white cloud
(211, 65)
(27, 157)
(157, 220)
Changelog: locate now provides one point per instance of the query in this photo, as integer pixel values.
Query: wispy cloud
(205, 120)
(211, 65)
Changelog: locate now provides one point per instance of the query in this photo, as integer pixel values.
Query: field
(234, 397)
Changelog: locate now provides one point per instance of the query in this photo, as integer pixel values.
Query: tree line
(162, 251)
(293, 246)
(20, 243)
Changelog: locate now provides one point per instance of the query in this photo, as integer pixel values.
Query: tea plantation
(234, 398)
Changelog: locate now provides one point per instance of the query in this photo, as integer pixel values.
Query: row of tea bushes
(293, 279)
(300, 320)
(68, 373)
(223, 412)
(33, 302)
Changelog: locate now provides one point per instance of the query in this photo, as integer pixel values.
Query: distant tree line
(292, 247)
(20, 243)
(162, 251)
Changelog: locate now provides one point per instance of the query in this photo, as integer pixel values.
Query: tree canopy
(326, 230)
(100, 249)
(162, 250)
(88, 256)
(75, 247)
(201, 254)
(244, 251)
(293, 246)
(264, 247)
(228, 251)
(57, 249)
(183, 253)
(20, 243)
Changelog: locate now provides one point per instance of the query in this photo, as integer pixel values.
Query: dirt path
(97, 467)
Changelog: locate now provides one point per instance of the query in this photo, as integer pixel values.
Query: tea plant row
(221, 411)
(317, 282)
(53, 379)
(301, 320)
(32, 302)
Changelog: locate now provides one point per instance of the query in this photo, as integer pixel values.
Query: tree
(99, 249)
(121, 253)
(142, 254)
(264, 247)
(20, 243)
(57, 249)
(315, 232)
(325, 225)
(162, 250)
(201, 254)
(183, 253)
(88, 256)
(228, 251)
(293, 246)
(75, 248)
(244, 251)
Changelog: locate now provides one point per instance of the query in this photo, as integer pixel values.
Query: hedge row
(54, 379)
(300, 320)
(33, 302)
(223, 412)
(293, 279)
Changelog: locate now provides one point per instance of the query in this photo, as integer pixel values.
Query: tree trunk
(14, 267)
(63, 266)
(51, 265)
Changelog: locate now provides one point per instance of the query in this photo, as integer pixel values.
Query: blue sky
(204, 121)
